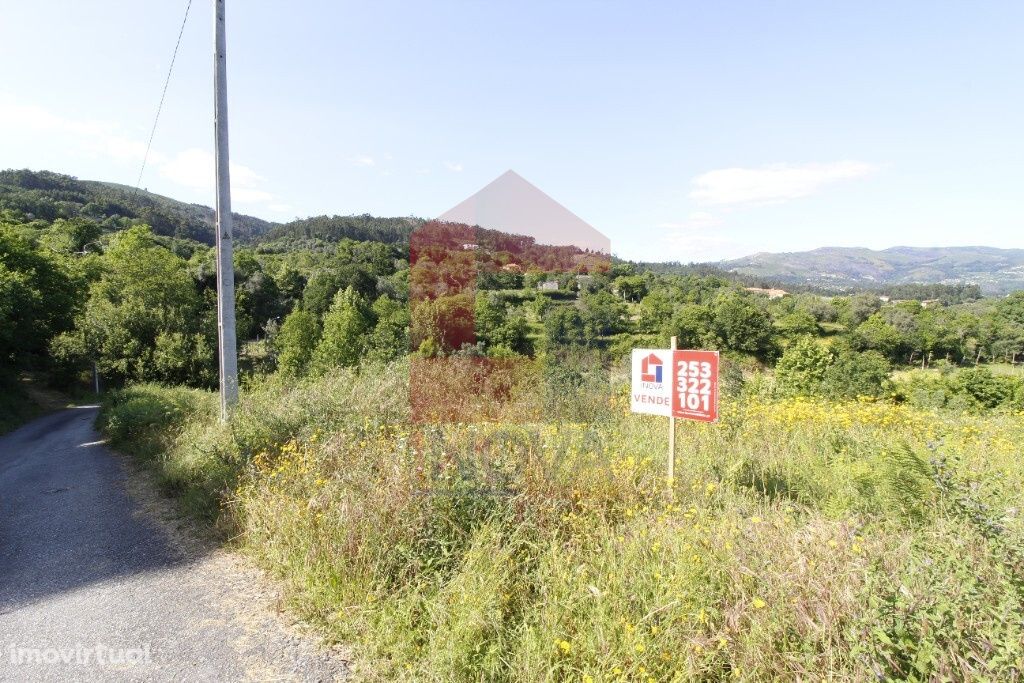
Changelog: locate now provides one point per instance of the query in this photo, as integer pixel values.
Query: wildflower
(564, 646)
(759, 603)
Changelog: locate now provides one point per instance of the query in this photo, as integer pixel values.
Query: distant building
(548, 286)
(770, 293)
(512, 268)
(469, 246)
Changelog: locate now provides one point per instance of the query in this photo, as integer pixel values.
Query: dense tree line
(42, 196)
(79, 291)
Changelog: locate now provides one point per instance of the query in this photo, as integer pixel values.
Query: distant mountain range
(994, 270)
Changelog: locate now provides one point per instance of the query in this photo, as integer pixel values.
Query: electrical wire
(163, 94)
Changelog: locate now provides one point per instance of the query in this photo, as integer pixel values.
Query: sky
(686, 131)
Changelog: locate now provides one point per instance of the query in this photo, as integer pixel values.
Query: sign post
(672, 433)
(675, 384)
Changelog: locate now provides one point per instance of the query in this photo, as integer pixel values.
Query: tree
(296, 342)
(875, 333)
(796, 324)
(344, 338)
(693, 325)
(514, 336)
(489, 314)
(71, 236)
(38, 298)
(602, 315)
(859, 308)
(655, 312)
(257, 302)
(447, 320)
(1012, 308)
(390, 336)
(325, 284)
(563, 326)
(854, 374)
(741, 324)
(144, 319)
(631, 287)
(803, 366)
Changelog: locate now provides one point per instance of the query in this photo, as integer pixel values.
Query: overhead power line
(163, 94)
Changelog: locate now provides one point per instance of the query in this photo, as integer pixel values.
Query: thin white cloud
(695, 221)
(698, 239)
(97, 137)
(772, 183)
(194, 168)
(455, 166)
(280, 208)
(695, 246)
(364, 161)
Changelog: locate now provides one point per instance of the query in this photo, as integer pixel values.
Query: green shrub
(802, 368)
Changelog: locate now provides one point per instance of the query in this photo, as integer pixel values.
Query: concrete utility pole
(225, 266)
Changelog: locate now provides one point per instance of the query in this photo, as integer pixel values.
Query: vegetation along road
(97, 582)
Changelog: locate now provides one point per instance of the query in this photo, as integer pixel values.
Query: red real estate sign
(695, 385)
(681, 384)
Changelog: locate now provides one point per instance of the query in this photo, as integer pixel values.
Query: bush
(801, 370)
(854, 374)
(295, 343)
(972, 389)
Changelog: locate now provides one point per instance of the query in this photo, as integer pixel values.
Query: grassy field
(801, 541)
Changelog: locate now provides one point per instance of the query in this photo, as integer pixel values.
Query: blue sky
(682, 130)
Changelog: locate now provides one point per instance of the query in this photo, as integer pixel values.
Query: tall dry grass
(801, 541)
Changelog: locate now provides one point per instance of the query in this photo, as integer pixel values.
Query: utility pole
(225, 267)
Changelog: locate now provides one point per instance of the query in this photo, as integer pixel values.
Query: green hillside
(47, 196)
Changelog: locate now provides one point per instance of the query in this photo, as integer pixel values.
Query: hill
(308, 232)
(994, 270)
(46, 195)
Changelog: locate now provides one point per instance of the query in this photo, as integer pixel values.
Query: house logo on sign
(651, 385)
(651, 369)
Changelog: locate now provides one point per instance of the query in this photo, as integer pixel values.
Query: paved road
(95, 585)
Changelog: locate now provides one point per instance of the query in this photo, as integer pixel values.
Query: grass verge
(802, 541)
